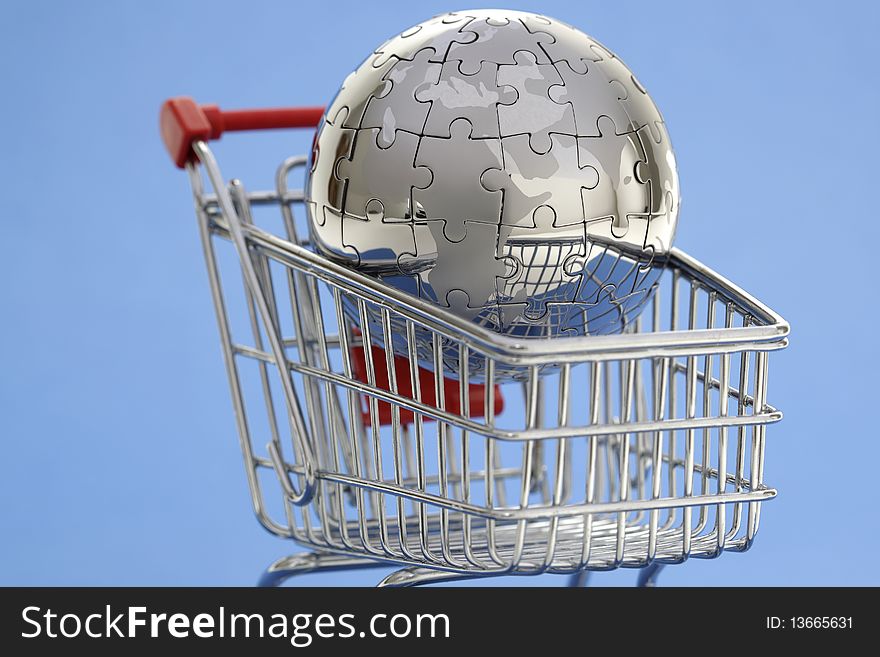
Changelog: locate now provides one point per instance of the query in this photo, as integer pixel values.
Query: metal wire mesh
(631, 449)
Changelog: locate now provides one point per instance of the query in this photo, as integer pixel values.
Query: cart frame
(652, 453)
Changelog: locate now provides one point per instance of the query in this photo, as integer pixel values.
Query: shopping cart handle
(182, 121)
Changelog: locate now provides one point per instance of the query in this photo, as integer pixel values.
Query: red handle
(182, 121)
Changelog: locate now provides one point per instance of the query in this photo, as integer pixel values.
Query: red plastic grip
(451, 388)
(182, 121)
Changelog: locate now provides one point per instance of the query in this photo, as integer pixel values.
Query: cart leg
(648, 575)
(416, 576)
(311, 562)
(579, 579)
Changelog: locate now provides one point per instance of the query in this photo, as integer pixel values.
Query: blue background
(120, 464)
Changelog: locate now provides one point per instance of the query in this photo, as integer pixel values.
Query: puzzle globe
(504, 166)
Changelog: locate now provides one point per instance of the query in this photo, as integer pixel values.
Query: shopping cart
(633, 450)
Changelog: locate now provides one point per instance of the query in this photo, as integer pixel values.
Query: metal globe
(504, 166)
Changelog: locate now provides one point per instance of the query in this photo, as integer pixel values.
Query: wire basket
(631, 450)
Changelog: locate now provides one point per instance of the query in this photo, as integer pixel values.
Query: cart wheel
(311, 562)
(579, 579)
(648, 575)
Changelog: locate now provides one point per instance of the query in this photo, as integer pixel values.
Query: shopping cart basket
(633, 450)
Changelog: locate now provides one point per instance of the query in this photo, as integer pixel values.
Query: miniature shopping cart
(632, 450)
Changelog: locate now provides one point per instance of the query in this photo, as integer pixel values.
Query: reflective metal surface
(450, 231)
(502, 165)
(640, 449)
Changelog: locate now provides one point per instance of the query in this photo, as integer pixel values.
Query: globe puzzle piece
(631, 95)
(534, 113)
(328, 236)
(524, 181)
(539, 276)
(458, 197)
(577, 90)
(476, 98)
(486, 48)
(658, 174)
(398, 108)
(479, 244)
(347, 108)
(569, 44)
(370, 164)
(621, 276)
(621, 192)
(437, 34)
(331, 144)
